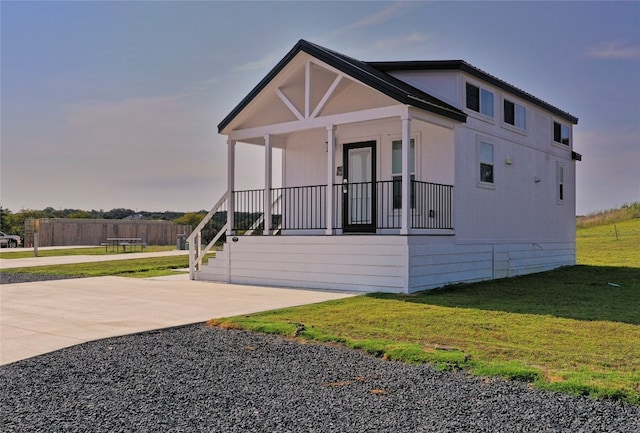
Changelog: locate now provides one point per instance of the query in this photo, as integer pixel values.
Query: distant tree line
(13, 223)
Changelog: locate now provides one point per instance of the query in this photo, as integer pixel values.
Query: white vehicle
(9, 241)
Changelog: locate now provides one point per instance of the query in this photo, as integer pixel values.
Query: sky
(115, 104)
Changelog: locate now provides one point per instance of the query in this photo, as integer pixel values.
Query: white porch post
(268, 177)
(231, 175)
(406, 175)
(331, 135)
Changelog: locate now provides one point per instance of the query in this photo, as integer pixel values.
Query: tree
(3, 218)
(190, 218)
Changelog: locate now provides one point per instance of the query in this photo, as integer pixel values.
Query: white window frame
(561, 191)
(480, 162)
(553, 134)
(412, 173)
(480, 99)
(513, 126)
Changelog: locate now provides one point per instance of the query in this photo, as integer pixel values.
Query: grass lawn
(568, 329)
(7, 253)
(135, 268)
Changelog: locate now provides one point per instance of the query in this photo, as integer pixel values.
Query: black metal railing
(433, 208)
(299, 208)
(249, 210)
(304, 207)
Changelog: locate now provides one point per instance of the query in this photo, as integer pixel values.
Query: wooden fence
(75, 231)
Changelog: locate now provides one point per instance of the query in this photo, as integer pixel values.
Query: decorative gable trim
(359, 71)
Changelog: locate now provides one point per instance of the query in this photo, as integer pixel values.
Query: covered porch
(363, 153)
(349, 207)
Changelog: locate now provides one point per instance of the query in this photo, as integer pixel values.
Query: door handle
(345, 182)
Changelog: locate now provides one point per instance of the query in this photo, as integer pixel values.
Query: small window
(396, 171)
(561, 133)
(560, 184)
(515, 114)
(486, 162)
(480, 100)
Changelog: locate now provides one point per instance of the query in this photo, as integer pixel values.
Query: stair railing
(196, 252)
(258, 222)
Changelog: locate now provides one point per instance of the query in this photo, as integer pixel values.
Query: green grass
(627, 211)
(568, 329)
(136, 268)
(610, 245)
(6, 253)
(575, 329)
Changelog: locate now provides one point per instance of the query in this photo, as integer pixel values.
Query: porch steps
(215, 269)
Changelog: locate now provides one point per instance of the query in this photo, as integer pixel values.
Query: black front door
(359, 187)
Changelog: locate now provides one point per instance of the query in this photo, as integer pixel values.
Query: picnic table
(116, 243)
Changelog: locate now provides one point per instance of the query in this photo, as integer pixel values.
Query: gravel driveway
(200, 379)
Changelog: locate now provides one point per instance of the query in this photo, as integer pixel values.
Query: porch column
(231, 175)
(331, 136)
(268, 169)
(406, 175)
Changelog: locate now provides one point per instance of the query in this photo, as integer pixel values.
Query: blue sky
(115, 104)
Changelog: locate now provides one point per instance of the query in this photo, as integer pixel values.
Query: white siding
(435, 262)
(443, 85)
(370, 263)
(354, 263)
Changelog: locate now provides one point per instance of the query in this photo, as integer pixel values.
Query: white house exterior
(397, 177)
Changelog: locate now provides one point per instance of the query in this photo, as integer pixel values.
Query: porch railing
(304, 207)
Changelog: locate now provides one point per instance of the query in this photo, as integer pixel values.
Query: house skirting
(374, 263)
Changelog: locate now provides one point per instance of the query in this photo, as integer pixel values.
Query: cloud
(614, 50)
(375, 19)
(267, 61)
(415, 38)
(380, 17)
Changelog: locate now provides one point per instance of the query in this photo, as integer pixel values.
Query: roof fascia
(373, 78)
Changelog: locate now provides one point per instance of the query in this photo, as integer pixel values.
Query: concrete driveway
(41, 317)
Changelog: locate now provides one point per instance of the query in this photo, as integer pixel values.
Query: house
(397, 177)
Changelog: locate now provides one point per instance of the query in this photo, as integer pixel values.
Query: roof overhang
(359, 71)
(461, 65)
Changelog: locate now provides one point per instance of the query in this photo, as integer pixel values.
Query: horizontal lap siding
(358, 263)
(396, 264)
(539, 257)
(436, 265)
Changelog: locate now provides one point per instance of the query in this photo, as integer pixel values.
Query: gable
(311, 81)
(307, 88)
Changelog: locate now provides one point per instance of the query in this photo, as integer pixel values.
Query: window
(560, 184)
(515, 114)
(486, 162)
(561, 133)
(480, 100)
(396, 171)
